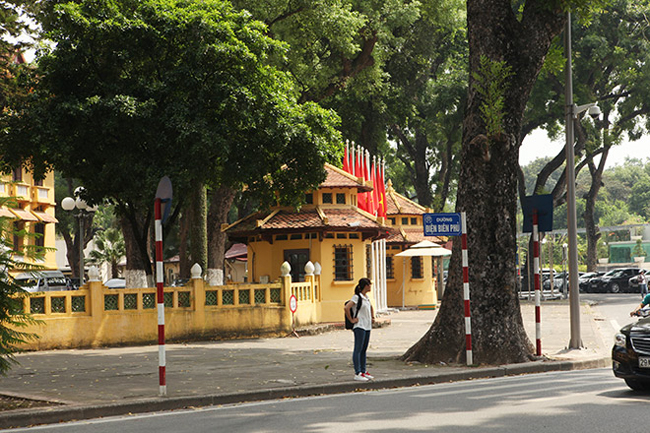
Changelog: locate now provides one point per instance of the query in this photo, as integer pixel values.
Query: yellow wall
(31, 197)
(420, 291)
(266, 259)
(95, 316)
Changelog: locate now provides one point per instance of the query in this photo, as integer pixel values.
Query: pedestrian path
(115, 380)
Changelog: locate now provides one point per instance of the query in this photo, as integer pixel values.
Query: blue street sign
(442, 224)
(543, 204)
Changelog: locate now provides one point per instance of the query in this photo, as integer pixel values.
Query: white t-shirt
(365, 314)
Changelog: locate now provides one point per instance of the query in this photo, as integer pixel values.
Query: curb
(53, 415)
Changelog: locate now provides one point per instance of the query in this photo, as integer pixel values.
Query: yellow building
(31, 208)
(410, 281)
(332, 231)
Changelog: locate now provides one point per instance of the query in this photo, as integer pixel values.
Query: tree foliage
(12, 315)
(134, 90)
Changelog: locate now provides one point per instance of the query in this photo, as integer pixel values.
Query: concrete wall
(95, 316)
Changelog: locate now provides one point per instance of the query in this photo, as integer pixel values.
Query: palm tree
(110, 249)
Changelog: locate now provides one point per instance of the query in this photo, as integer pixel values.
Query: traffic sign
(442, 224)
(543, 205)
(293, 303)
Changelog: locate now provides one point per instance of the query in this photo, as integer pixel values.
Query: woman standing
(363, 317)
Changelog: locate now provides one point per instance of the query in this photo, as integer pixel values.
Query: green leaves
(491, 82)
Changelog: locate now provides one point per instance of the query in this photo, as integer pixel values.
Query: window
(368, 260)
(414, 221)
(392, 221)
(353, 235)
(416, 267)
(343, 263)
(38, 182)
(18, 237)
(17, 174)
(405, 221)
(297, 259)
(39, 230)
(327, 198)
(341, 236)
(340, 198)
(309, 198)
(281, 237)
(295, 237)
(390, 272)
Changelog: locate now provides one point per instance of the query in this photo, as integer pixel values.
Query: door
(297, 259)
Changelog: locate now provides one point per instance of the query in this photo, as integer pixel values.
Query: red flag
(370, 197)
(375, 189)
(346, 164)
(381, 211)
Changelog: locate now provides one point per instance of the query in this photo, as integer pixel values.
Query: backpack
(348, 324)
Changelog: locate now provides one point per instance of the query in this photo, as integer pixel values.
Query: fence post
(198, 291)
(285, 279)
(309, 277)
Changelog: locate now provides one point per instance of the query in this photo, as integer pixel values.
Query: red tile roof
(397, 204)
(283, 221)
(412, 235)
(337, 178)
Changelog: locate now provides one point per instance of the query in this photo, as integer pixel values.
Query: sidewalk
(113, 381)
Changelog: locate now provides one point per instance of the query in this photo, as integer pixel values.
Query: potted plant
(639, 252)
(603, 252)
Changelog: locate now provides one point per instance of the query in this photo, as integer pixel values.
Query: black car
(614, 281)
(631, 355)
(583, 281)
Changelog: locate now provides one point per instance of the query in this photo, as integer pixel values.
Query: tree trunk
(198, 227)
(593, 233)
(138, 272)
(220, 201)
(183, 253)
(487, 192)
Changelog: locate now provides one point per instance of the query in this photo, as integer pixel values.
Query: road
(579, 401)
(613, 310)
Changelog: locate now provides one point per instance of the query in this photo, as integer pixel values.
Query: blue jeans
(644, 289)
(361, 339)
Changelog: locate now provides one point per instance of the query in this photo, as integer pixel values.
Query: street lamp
(83, 211)
(572, 112)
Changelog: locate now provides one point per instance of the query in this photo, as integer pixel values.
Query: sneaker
(368, 375)
(361, 377)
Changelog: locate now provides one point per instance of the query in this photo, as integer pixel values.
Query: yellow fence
(96, 316)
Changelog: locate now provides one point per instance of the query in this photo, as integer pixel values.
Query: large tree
(134, 90)
(508, 43)
(612, 67)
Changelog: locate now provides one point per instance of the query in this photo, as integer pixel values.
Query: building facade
(29, 206)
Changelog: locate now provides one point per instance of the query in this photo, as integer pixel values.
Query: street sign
(442, 224)
(164, 193)
(293, 303)
(543, 204)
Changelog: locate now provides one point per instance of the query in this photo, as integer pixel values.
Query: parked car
(631, 354)
(180, 282)
(614, 281)
(42, 281)
(558, 281)
(585, 278)
(116, 283)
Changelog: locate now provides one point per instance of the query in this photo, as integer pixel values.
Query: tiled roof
(337, 178)
(397, 204)
(336, 218)
(413, 236)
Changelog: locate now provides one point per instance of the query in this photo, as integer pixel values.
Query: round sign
(293, 303)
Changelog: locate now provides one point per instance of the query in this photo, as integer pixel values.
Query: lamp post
(572, 111)
(83, 210)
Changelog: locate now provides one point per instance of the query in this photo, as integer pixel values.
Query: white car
(116, 283)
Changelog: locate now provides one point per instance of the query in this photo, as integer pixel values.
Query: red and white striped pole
(468, 318)
(538, 311)
(162, 379)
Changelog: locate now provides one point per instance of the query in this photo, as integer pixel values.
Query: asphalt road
(580, 401)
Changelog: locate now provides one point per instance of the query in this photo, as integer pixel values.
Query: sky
(538, 145)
